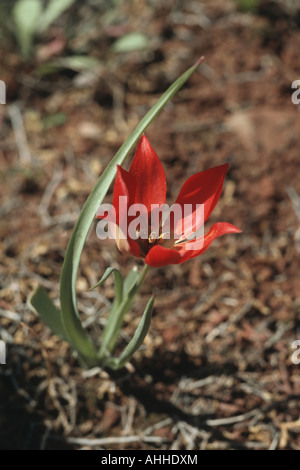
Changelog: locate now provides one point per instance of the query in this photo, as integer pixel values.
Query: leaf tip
(199, 61)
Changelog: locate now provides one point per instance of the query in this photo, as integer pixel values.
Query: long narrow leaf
(118, 282)
(137, 340)
(26, 14)
(47, 310)
(54, 9)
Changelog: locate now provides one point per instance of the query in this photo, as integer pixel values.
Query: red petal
(160, 256)
(148, 174)
(217, 230)
(203, 188)
(124, 187)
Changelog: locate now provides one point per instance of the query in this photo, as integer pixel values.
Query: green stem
(142, 278)
(116, 317)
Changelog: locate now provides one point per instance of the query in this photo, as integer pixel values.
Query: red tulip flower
(145, 184)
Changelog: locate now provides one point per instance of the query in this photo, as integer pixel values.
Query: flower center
(148, 241)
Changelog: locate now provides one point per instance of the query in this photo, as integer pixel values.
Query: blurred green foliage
(247, 5)
(131, 42)
(28, 20)
(31, 19)
(54, 121)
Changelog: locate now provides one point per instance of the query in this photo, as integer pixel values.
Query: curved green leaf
(116, 315)
(26, 15)
(53, 10)
(137, 340)
(131, 42)
(47, 310)
(118, 282)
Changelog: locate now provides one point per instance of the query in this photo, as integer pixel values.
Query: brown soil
(216, 369)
